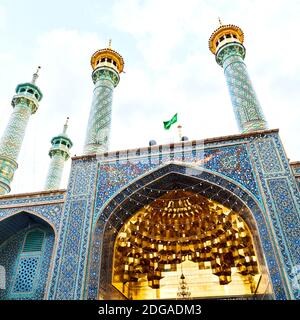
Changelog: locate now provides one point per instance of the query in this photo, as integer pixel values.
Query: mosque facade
(216, 218)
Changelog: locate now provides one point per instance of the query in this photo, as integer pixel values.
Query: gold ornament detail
(107, 55)
(182, 227)
(184, 292)
(225, 33)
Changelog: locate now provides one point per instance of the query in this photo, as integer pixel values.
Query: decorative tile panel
(286, 211)
(231, 161)
(68, 276)
(71, 253)
(268, 156)
(27, 270)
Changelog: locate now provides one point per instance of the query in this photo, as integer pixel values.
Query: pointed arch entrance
(185, 235)
(26, 246)
(108, 280)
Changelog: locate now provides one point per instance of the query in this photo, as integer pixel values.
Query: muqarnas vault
(216, 218)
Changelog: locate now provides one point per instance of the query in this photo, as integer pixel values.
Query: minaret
(25, 102)
(59, 153)
(107, 64)
(226, 43)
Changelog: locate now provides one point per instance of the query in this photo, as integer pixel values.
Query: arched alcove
(133, 199)
(184, 245)
(26, 246)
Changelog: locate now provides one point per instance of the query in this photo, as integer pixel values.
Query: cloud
(65, 80)
(183, 76)
(159, 27)
(168, 69)
(3, 16)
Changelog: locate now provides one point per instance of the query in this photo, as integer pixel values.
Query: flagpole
(179, 127)
(171, 135)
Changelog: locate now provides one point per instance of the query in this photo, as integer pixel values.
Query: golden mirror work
(183, 232)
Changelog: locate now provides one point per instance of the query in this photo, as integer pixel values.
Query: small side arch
(27, 271)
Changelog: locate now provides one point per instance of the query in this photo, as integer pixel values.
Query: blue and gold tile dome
(217, 218)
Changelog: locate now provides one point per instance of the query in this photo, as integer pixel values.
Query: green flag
(167, 124)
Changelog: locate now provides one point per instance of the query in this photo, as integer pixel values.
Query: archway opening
(131, 267)
(184, 245)
(26, 245)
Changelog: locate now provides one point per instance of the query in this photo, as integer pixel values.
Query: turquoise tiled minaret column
(59, 154)
(227, 44)
(107, 65)
(25, 102)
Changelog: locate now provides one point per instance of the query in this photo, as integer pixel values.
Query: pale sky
(168, 65)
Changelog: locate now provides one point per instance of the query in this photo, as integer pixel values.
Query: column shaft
(10, 145)
(55, 171)
(11, 141)
(247, 109)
